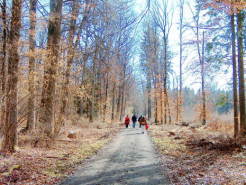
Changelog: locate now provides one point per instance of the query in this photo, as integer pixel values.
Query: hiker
(127, 121)
(142, 121)
(134, 120)
(146, 126)
(139, 119)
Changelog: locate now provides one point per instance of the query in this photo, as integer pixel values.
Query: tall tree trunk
(161, 103)
(31, 77)
(203, 83)
(122, 101)
(93, 88)
(165, 79)
(123, 94)
(240, 22)
(201, 62)
(106, 98)
(180, 98)
(168, 109)
(118, 102)
(234, 76)
(149, 96)
(70, 55)
(3, 65)
(50, 68)
(113, 104)
(10, 126)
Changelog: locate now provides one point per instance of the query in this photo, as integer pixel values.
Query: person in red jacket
(127, 121)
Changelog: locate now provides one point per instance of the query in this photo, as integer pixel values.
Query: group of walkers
(141, 120)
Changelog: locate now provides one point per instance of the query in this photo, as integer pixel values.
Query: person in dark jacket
(134, 120)
(142, 121)
(139, 121)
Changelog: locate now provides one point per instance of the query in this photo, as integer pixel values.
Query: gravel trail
(130, 159)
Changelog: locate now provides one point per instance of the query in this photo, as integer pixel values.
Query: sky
(190, 80)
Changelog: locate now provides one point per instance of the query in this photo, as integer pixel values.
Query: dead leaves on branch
(229, 6)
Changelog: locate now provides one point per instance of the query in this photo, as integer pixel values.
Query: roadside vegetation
(49, 165)
(193, 154)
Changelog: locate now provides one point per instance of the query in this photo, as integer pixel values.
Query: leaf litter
(29, 165)
(199, 156)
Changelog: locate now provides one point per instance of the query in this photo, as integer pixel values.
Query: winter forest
(72, 70)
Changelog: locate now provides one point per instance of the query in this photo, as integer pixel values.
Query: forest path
(130, 159)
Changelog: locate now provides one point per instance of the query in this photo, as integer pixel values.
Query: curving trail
(129, 159)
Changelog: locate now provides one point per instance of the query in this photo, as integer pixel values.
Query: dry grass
(49, 165)
(222, 123)
(195, 155)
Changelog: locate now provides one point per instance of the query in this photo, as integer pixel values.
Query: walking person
(134, 120)
(140, 120)
(127, 121)
(143, 122)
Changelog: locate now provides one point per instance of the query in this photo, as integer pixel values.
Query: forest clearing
(122, 92)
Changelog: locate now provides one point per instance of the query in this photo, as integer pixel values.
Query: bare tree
(200, 51)
(163, 17)
(181, 30)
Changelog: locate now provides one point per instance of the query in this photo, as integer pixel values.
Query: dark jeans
(126, 125)
(133, 124)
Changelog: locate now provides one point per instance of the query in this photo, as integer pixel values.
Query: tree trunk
(3, 66)
(165, 80)
(240, 22)
(203, 83)
(10, 126)
(118, 103)
(181, 15)
(161, 103)
(93, 88)
(106, 98)
(168, 109)
(156, 102)
(123, 94)
(31, 76)
(234, 76)
(50, 68)
(70, 55)
(113, 104)
(149, 96)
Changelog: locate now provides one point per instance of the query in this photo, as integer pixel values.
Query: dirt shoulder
(50, 165)
(199, 156)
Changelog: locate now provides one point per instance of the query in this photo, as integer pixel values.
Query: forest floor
(30, 165)
(199, 155)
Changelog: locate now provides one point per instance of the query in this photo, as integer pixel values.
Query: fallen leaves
(48, 166)
(199, 156)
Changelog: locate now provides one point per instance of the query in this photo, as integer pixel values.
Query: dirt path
(130, 160)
